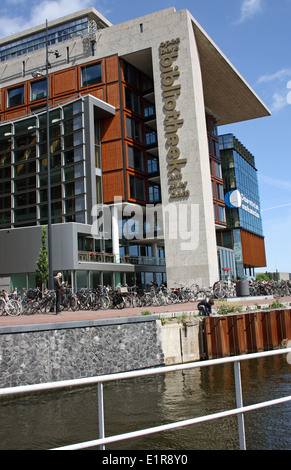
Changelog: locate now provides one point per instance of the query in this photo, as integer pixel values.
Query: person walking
(59, 288)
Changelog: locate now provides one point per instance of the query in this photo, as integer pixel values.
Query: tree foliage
(42, 270)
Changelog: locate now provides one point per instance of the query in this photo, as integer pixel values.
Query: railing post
(101, 414)
(239, 403)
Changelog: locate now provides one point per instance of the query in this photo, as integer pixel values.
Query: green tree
(262, 277)
(42, 270)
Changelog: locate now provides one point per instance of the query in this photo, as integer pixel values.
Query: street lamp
(38, 73)
(49, 228)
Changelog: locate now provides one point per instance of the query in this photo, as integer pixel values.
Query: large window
(136, 188)
(38, 90)
(135, 158)
(132, 101)
(15, 96)
(131, 74)
(133, 129)
(221, 214)
(91, 74)
(23, 168)
(38, 40)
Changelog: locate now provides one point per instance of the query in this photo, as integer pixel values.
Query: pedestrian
(59, 288)
(15, 294)
(205, 308)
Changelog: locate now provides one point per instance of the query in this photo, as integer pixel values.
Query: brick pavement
(68, 316)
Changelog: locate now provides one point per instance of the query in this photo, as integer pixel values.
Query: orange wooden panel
(113, 96)
(65, 81)
(112, 69)
(253, 248)
(112, 186)
(16, 113)
(111, 128)
(98, 93)
(112, 156)
(1, 100)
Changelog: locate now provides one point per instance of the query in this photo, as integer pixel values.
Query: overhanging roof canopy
(226, 94)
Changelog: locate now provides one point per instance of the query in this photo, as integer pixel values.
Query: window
(133, 129)
(135, 158)
(131, 74)
(132, 101)
(37, 41)
(218, 172)
(136, 188)
(15, 96)
(221, 213)
(154, 193)
(215, 146)
(220, 193)
(38, 90)
(91, 74)
(152, 165)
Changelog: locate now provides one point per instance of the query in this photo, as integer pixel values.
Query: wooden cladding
(246, 333)
(66, 83)
(253, 248)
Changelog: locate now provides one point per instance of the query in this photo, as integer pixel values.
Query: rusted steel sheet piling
(246, 333)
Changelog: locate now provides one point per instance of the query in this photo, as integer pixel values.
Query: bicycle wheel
(74, 304)
(201, 295)
(2, 307)
(12, 308)
(219, 290)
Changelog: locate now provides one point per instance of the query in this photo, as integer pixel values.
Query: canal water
(54, 419)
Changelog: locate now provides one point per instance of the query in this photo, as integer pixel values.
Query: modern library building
(109, 134)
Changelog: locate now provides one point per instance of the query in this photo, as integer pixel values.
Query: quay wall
(31, 354)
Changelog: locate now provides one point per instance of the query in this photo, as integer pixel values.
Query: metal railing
(88, 256)
(100, 380)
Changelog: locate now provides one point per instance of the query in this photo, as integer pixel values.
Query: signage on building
(235, 199)
(172, 123)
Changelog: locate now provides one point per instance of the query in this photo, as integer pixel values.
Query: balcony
(93, 257)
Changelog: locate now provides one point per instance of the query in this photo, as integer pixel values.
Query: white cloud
(280, 75)
(249, 9)
(37, 12)
(276, 207)
(279, 102)
(276, 183)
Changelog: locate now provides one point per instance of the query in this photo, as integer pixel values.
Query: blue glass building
(244, 233)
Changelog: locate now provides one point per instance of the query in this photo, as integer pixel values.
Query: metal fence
(100, 380)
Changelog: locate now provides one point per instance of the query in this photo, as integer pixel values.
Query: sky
(255, 35)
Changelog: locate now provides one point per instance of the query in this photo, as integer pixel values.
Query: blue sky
(255, 35)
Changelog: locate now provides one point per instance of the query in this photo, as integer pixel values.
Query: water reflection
(65, 417)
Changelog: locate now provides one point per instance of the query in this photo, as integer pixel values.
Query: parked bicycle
(9, 305)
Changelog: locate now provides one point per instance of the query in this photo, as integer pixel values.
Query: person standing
(59, 288)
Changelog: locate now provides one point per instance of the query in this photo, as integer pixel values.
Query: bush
(226, 308)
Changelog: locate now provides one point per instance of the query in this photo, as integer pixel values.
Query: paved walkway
(68, 316)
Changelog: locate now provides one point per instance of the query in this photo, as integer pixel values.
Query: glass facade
(23, 168)
(38, 41)
(239, 173)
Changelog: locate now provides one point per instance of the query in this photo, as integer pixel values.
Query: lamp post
(36, 74)
(49, 227)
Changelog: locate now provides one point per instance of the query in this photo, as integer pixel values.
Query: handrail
(240, 410)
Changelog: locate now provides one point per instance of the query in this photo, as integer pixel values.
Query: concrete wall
(181, 342)
(32, 354)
